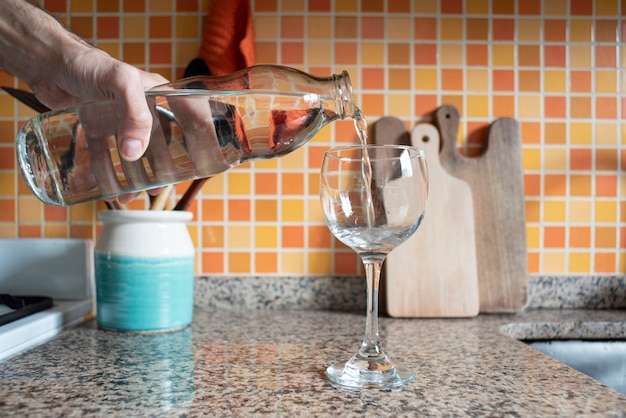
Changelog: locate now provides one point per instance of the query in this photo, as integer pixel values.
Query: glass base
(361, 373)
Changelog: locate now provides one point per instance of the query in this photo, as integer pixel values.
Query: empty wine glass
(374, 199)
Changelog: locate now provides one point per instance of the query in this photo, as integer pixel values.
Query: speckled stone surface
(272, 362)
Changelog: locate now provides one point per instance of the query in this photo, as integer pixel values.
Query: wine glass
(374, 199)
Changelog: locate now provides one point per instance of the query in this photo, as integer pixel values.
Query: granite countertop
(244, 363)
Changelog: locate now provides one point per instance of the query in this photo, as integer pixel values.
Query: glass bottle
(202, 126)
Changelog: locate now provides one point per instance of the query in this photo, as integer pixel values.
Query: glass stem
(370, 348)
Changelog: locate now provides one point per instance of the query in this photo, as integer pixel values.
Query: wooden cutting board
(433, 274)
(496, 179)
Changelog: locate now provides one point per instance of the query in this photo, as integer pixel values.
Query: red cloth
(228, 38)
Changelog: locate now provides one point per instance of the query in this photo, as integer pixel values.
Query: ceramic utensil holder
(144, 268)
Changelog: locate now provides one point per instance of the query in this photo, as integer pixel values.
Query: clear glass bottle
(202, 126)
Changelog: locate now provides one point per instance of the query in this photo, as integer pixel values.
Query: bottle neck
(343, 95)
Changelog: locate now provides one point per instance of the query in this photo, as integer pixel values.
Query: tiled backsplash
(555, 65)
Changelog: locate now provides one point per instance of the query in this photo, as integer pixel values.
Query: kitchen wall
(555, 65)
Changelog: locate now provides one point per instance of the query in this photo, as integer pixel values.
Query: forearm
(31, 40)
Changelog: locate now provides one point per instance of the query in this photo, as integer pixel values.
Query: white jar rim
(116, 216)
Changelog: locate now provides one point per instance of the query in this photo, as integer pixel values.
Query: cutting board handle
(448, 119)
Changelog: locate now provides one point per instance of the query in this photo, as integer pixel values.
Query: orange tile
(503, 29)
(239, 210)
(580, 185)
(346, 263)
(554, 30)
(606, 8)
(265, 5)
(83, 26)
(605, 237)
(108, 27)
(398, 6)
(554, 237)
(372, 79)
(425, 28)
(319, 6)
(316, 155)
(346, 27)
(373, 104)
(606, 185)
(266, 210)
(55, 213)
(451, 79)
(503, 7)
(344, 132)
(399, 79)
(292, 183)
(503, 106)
(398, 53)
(477, 29)
(580, 81)
(604, 263)
(160, 52)
(528, 55)
(503, 80)
(266, 262)
(451, 6)
(532, 185)
(531, 132)
(212, 262)
(292, 53)
(239, 262)
(33, 231)
(555, 106)
(451, 29)
(555, 8)
(581, 7)
(606, 160)
(533, 262)
(346, 53)
(372, 27)
(265, 183)
(372, 6)
(606, 31)
(372, 53)
(555, 185)
(580, 107)
(319, 236)
(580, 237)
(580, 159)
(529, 7)
(533, 213)
(292, 236)
(319, 27)
(160, 26)
(581, 30)
(425, 104)
(529, 30)
(425, 54)
(7, 210)
(292, 26)
(266, 52)
(342, 6)
(606, 56)
(477, 55)
(606, 107)
(477, 132)
(554, 56)
(529, 80)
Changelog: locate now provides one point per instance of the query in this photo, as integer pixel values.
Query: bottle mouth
(345, 94)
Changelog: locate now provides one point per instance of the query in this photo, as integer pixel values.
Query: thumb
(135, 125)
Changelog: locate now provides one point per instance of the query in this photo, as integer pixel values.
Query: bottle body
(202, 126)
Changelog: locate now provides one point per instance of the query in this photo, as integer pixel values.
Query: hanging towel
(228, 38)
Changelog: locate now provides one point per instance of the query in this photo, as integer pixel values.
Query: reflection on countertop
(272, 362)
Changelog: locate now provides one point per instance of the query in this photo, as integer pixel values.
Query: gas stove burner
(21, 306)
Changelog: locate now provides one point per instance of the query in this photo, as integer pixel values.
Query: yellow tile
(606, 211)
(323, 136)
(238, 183)
(580, 211)
(83, 212)
(529, 106)
(29, 210)
(451, 54)
(606, 81)
(553, 262)
(580, 30)
(398, 28)
(533, 236)
(134, 27)
(341, 6)
(554, 211)
(187, 27)
(606, 133)
(194, 234)
(399, 105)
(268, 164)
(7, 184)
(555, 159)
(503, 55)
(451, 29)
(580, 56)
(292, 262)
(318, 53)
(320, 262)
(478, 106)
(239, 236)
(56, 230)
(477, 80)
(579, 262)
(266, 26)
(294, 160)
(581, 133)
(265, 236)
(372, 53)
(8, 230)
(316, 214)
(239, 262)
(292, 210)
(426, 79)
(555, 81)
(529, 30)
(531, 158)
(319, 27)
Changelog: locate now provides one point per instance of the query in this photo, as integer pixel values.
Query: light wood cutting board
(496, 178)
(433, 274)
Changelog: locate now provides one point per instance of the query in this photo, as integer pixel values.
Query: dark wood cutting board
(496, 178)
(433, 274)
